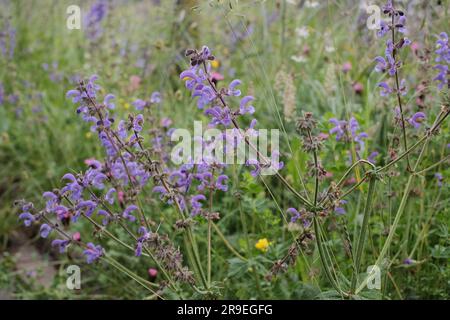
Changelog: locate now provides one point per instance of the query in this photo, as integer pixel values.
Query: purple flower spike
(443, 49)
(442, 76)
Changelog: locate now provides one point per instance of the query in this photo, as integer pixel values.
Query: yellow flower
(88, 135)
(262, 245)
(126, 105)
(215, 63)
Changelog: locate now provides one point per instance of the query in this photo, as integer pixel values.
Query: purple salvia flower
(205, 96)
(353, 126)
(340, 210)
(52, 200)
(74, 189)
(109, 195)
(382, 65)
(443, 49)
(107, 101)
(196, 204)
(155, 97)
(219, 115)
(372, 156)
(220, 183)
(138, 122)
(75, 95)
(98, 179)
(440, 178)
(408, 261)
(145, 235)
(257, 167)
(87, 206)
(231, 88)
(359, 138)
(384, 29)
(126, 213)
(61, 244)
(338, 128)
(385, 89)
(105, 216)
(27, 218)
(417, 119)
(139, 104)
(62, 212)
(191, 79)
(295, 214)
(388, 8)
(442, 76)
(96, 14)
(251, 131)
(400, 25)
(93, 252)
(244, 107)
(45, 230)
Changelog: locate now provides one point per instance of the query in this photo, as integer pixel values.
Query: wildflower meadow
(224, 149)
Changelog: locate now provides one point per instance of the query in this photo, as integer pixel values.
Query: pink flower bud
(152, 272)
(76, 236)
(346, 67)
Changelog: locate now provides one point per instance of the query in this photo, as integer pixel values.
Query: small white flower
(329, 49)
(298, 59)
(311, 4)
(302, 32)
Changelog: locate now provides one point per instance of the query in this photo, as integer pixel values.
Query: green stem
(398, 215)
(322, 256)
(362, 234)
(227, 244)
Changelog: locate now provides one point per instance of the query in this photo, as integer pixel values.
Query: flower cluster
(390, 62)
(96, 14)
(443, 59)
(7, 40)
(214, 102)
(348, 131)
(108, 190)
